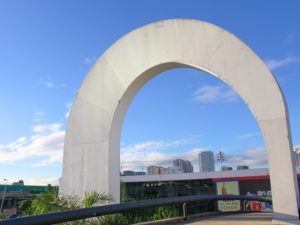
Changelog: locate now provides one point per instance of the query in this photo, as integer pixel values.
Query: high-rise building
(297, 156)
(206, 161)
(183, 166)
(155, 170)
(172, 170)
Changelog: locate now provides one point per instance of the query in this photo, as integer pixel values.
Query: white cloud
(54, 157)
(277, 63)
(42, 181)
(248, 135)
(43, 128)
(142, 155)
(149, 153)
(49, 83)
(46, 143)
(89, 60)
(207, 94)
(254, 157)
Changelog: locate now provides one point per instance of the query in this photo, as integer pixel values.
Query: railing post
(184, 211)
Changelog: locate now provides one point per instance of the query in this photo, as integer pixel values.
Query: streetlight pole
(221, 158)
(3, 196)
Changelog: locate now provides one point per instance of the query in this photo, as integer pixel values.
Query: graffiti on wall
(256, 206)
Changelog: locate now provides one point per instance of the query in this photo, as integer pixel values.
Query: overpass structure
(249, 174)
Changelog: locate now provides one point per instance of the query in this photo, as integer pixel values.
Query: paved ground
(240, 219)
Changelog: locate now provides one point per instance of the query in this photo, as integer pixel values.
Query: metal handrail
(77, 214)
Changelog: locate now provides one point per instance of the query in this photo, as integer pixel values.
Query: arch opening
(187, 105)
(166, 121)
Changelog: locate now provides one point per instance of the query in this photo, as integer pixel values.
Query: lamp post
(221, 158)
(3, 196)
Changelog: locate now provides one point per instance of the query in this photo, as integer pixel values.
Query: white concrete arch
(92, 143)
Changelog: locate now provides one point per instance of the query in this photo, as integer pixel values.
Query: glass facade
(164, 189)
(252, 186)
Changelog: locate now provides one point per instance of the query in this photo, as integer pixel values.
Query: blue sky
(47, 48)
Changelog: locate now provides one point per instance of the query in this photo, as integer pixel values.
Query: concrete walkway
(240, 219)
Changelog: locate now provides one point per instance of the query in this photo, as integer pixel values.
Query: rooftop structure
(242, 167)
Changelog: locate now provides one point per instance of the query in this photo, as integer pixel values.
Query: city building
(12, 194)
(252, 181)
(132, 173)
(155, 170)
(128, 173)
(226, 168)
(139, 173)
(297, 156)
(20, 183)
(183, 166)
(172, 170)
(206, 161)
(242, 167)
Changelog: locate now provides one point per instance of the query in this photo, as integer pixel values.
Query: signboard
(228, 188)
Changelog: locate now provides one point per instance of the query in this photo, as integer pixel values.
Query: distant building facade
(132, 173)
(155, 170)
(172, 170)
(20, 183)
(128, 173)
(242, 167)
(206, 161)
(297, 156)
(183, 166)
(139, 173)
(226, 168)
(12, 194)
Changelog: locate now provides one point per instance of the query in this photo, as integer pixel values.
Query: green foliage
(44, 203)
(123, 195)
(67, 202)
(152, 214)
(50, 201)
(2, 217)
(164, 212)
(25, 207)
(92, 198)
(116, 219)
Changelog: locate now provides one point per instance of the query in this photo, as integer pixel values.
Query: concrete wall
(92, 144)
